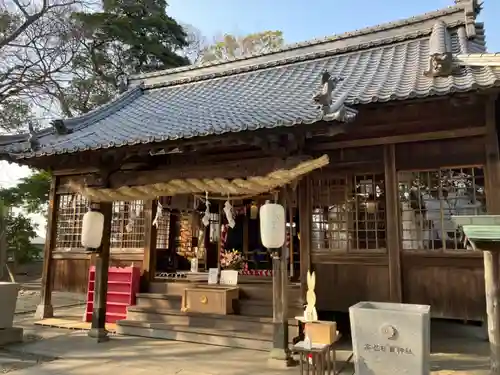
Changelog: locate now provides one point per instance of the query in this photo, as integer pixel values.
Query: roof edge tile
(78, 123)
(105, 110)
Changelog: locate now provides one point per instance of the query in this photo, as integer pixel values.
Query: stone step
(243, 339)
(264, 308)
(159, 301)
(170, 288)
(213, 321)
(264, 291)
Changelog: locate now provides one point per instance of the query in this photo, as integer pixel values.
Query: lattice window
(70, 213)
(348, 213)
(127, 230)
(163, 230)
(428, 200)
(128, 227)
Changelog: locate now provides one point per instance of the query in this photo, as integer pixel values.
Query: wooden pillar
(219, 241)
(98, 326)
(246, 222)
(492, 258)
(3, 241)
(45, 309)
(305, 216)
(392, 223)
(280, 349)
(149, 261)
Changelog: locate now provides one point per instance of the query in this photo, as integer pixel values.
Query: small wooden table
(323, 358)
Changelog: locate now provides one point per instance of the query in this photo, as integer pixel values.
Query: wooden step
(243, 339)
(213, 321)
(159, 301)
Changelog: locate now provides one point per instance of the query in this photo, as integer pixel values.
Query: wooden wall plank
(340, 286)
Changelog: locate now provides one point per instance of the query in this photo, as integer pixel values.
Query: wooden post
(305, 216)
(492, 258)
(290, 236)
(3, 241)
(245, 234)
(392, 221)
(149, 261)
(44, 309)
(280, 349)
(219, 242)
(98, 327)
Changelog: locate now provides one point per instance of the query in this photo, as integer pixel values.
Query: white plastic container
(8, 300)
(390, 338)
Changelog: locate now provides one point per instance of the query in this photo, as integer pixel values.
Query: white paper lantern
(92, 228)
(272, 225)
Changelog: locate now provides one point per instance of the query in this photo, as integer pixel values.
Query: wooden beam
(492, 258)
(45, 309)
(230, 170)
(70, 172)
(407, 138)
(392, 221)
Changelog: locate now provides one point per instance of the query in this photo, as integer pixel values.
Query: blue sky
(307, 19)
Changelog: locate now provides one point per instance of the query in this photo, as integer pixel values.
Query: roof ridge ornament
(33, 137)
(60, 127)
(325, 96)
(472, 8)
(440, 52)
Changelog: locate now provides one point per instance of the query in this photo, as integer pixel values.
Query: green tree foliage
(31, 193)
(231, 46)
(16, 229)
(20, 232)
(124, 37)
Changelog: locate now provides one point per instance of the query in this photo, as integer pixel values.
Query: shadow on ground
(456, 349)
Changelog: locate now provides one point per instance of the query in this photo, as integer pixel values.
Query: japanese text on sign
(387, 349)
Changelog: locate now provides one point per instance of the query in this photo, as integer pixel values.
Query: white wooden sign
(213, 275)
(229, 277)
(194, 265)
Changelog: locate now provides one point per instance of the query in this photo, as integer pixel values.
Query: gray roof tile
(272, 92)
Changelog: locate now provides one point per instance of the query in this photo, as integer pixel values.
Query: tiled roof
(384, 63)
